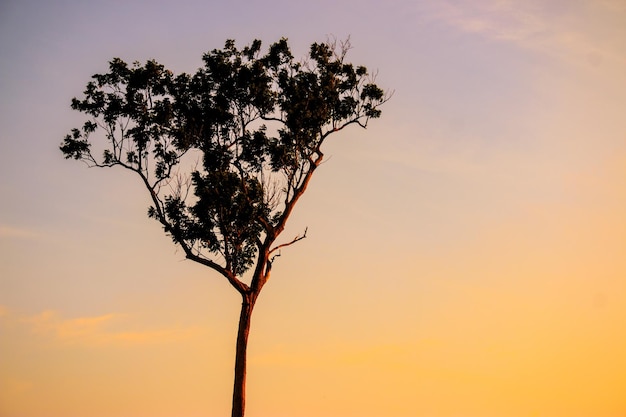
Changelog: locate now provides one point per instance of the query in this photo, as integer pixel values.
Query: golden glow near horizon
(465, 255)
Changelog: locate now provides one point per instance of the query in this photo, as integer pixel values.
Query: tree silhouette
(225, 153)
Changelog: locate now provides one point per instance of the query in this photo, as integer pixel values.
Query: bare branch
(294, 240)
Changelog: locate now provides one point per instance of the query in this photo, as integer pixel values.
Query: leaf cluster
(250, 125)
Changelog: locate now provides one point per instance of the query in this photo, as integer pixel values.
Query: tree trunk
(239, 390)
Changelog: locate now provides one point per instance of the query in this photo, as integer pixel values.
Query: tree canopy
(258, 122)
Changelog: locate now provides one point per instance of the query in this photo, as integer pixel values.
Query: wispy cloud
(571, 30)
(97, 331)
(497, 19)
(10, 232)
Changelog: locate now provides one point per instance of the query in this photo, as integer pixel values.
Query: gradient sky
(465, 255)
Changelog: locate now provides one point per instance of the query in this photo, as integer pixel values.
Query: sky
(465, 255)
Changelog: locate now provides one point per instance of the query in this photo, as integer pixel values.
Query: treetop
(227, 151)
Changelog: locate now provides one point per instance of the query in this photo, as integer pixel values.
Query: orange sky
(465, 256)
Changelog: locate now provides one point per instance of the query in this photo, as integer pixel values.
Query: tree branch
(240, 286)
(294, 240)
(298, 191)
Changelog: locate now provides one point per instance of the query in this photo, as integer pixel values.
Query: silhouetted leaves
(250, 124)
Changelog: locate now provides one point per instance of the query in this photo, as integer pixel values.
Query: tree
(225, 153)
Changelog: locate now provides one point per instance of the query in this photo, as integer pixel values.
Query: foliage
(250, 125)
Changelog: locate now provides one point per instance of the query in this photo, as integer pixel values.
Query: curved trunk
(239, 389)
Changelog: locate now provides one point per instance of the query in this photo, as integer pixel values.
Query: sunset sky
(465, 255)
